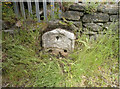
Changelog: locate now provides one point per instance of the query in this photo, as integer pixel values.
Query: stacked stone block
(93, 24)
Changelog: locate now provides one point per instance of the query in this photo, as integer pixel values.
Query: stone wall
(94, 23)
(77, 19)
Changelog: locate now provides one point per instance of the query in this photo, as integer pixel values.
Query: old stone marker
(58, 41)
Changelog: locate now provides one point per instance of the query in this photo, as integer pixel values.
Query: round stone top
(68, 34)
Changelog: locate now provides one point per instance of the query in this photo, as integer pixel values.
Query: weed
(91, 64)
(8, 13)
(25, 65)
(91, 7)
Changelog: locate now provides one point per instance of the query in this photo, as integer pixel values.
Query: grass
(93, 63)
(91, 7)
(25, 64)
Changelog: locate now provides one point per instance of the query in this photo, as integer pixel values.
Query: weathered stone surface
(87, 18)
(100, 24)
(9, 31)
(73, 27)
(78, 24)
(72, 15)
(93, 27)
(60, 24)
(106, 25)
(89, 33)
(54, 24)
(111, 26)
(111, 9)
(59, 39)
(77, 7)
(114, 18)
(96, 17)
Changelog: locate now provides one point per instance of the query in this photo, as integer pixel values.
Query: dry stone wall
(94, 23)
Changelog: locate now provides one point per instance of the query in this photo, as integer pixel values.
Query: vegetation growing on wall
(91, 7)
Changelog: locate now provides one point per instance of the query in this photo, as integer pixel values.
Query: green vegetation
(91, 64)
(91, 7)
(8, 13)
(25, 64)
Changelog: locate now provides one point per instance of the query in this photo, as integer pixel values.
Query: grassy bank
(93, 63)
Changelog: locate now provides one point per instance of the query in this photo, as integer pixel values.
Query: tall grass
(25, 64)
